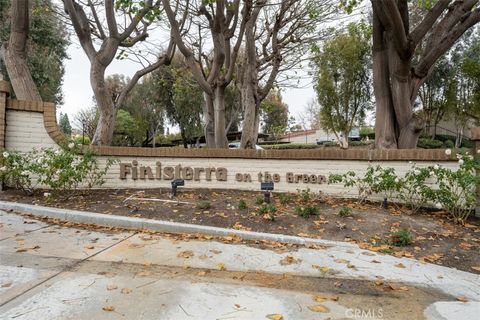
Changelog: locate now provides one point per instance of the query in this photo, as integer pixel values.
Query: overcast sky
(78, 92)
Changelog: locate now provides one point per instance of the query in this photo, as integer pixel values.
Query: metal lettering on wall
(136, 171)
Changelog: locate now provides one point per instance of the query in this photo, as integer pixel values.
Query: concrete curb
(160, 225)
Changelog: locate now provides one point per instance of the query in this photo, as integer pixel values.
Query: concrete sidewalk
(53, 272)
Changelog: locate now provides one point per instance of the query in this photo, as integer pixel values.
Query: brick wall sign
(26, 124)
(136, 171)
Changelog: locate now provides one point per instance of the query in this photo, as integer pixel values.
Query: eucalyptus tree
(112, 29)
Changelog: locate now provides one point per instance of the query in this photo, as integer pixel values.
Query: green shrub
(259, 200)
(401, 238)
(427, 143)
(61, 169)
(285, 199)
(345, 212)
(448, 144)
(361, 143)
(268, 211)
(305, 195)
(242, 205)
(204, 204)
(307, 211)
(290, 146)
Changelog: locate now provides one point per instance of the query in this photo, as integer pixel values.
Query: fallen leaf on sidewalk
(6, 285)
(462, 299)
(143, 274)
(221, 266)
(185, 254)
(108, 308)
(89, 247)
(322, 298)
(319, 308)
(125, 291)
(275, 316)
(341, 261)
(322, 269)
(476, 268)
(112, 287)
(288, 260)
(107, 274)
(147, 263)
(26, 249)
(400, 265)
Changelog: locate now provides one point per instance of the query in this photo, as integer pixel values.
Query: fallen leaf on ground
(319, 308)
(90, 247)
(341, 261)
(323, 269)
(400, 265)
(147, 263)
(476, 268)
(107, 274)
(112, 287)
(462, 299)
(322, 298)
(378, 282)
(185, 254)
(108, 308)
(143, 274)
(288, 260)
(397, 287)
(6, 285)
(26, 249)
(275, 316)
(221, 266)
(125, 291)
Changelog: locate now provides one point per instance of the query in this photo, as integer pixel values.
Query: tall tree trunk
(221, 140)
(385, 122)
(106, 123)
(14, 53)
(249, 87)
(395, 89)
(208, 115)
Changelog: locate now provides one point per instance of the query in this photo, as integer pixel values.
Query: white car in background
(236, 145)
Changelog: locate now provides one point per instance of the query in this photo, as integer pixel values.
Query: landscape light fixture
(177, 183)
(267, 187)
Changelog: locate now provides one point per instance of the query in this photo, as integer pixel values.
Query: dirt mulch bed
(435, 238)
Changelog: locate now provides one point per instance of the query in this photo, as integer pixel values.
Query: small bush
(345, 212)
(259, 200)
(307, 211)
(285, 199)
(60, 169)
(305, 195)
(449, 144)
(427, 143)
(401, 238)
(242, 205)
(268, 211)
(204, 204)
(290, 146)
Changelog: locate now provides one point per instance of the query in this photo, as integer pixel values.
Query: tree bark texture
(14, 53)
(396, 79)
(208, 118)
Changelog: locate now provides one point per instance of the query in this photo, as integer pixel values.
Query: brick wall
(30, 125)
